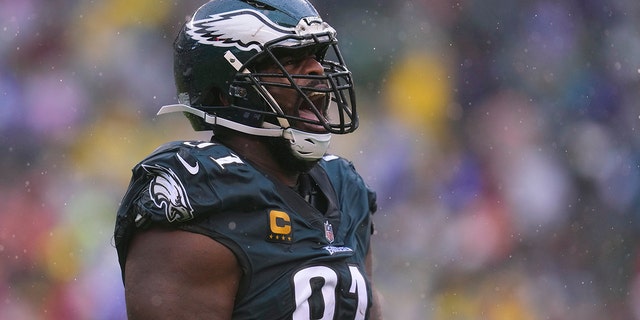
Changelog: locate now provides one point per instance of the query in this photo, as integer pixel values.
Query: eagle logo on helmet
(244, 29)
(168, 193)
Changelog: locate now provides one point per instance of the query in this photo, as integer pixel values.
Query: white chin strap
(304, 145)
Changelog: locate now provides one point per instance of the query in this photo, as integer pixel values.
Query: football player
(259, 222)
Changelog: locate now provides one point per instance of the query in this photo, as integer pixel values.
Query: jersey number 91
(315, 293)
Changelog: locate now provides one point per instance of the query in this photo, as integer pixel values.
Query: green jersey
(299, 261)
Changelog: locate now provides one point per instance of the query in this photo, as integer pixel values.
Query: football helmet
(219, 59)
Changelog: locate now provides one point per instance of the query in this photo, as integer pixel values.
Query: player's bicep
(179, 275)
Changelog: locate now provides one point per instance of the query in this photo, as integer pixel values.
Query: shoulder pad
(180, 180)
(344, 176)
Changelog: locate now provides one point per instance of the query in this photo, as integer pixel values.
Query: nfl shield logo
(328, 231)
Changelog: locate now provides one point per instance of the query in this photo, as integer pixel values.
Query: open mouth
(307, 108)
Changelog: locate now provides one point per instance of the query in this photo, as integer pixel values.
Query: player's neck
(257, 152)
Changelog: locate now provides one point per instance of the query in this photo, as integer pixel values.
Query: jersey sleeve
(173, 186)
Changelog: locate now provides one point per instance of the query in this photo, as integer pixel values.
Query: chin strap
(307, 146)
(304, 145)
(212, 119)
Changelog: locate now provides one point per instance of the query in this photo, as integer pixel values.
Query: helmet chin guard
(307, 146)
(304, 145)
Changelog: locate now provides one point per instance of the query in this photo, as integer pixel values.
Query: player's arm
(179, 275)
(376, 311)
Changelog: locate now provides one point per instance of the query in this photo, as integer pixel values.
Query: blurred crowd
(502, 138)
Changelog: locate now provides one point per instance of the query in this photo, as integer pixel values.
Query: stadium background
(502, 137)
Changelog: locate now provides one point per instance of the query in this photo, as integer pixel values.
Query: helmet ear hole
(213, 97)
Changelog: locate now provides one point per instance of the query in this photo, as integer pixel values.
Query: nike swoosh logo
(192, 169)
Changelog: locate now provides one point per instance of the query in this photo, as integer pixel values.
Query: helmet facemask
(329, 96)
